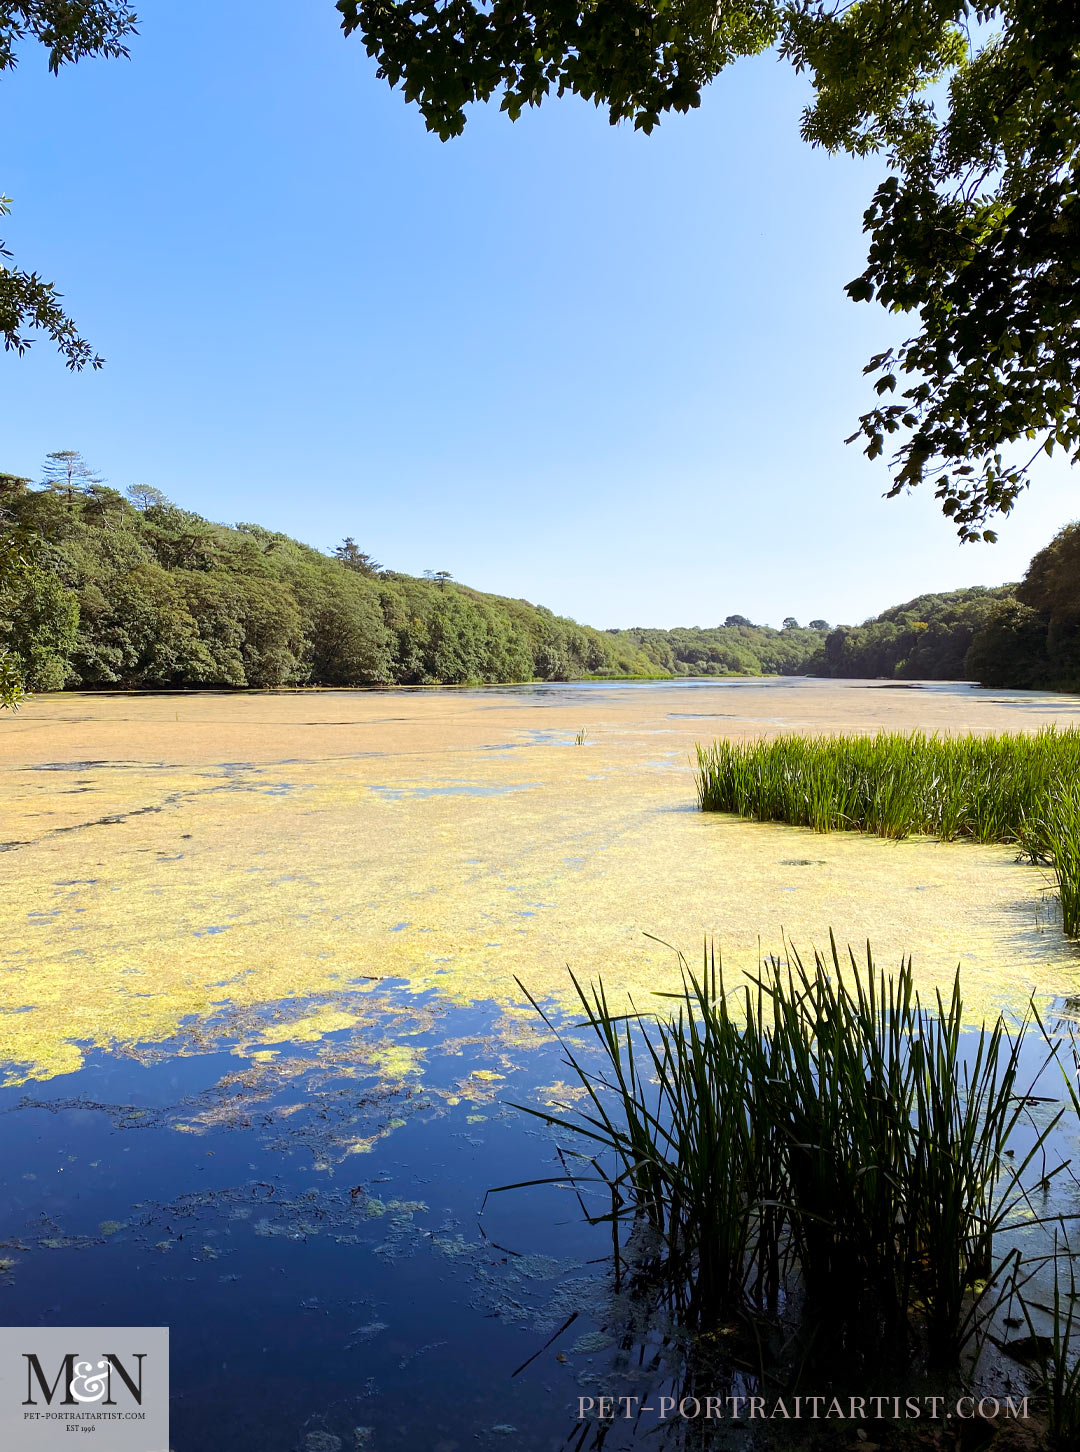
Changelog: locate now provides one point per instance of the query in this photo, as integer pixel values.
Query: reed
(1061, 1362)
(1062, 845)
(1013, 788)
(1060, 1353)
(818, 1139)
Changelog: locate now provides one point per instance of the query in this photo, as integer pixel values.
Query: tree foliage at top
(976, 231)
(70, 30)
(979, 233)
(637, 59)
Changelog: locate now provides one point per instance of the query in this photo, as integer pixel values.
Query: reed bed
(818, 1149)
(1011, 788)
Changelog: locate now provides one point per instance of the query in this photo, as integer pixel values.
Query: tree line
(928, 638)
(101, 588)
(129, 590)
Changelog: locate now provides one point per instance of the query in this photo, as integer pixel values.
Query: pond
(261, 1035)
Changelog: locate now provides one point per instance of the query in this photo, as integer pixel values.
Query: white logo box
(58, 1383)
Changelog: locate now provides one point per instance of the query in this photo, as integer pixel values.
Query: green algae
(240, 864)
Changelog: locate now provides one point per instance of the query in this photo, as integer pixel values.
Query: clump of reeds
(1015, 788)
(1063, 848)
(820, 1139)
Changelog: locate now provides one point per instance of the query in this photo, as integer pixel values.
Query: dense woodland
(136, 592)
(927, 638)
(133, 591)
(1024, 636)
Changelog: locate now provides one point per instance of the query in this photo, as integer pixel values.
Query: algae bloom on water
(1013, 787)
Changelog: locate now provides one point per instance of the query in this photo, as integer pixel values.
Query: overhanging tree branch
(976, 233)
(70, 30)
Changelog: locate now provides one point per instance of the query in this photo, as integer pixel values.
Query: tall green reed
(817, 1145)
(1022, 788)
(1056, 1355)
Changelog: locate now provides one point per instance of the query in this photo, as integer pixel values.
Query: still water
(262, 1039)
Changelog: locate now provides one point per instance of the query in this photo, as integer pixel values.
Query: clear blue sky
(606, 372)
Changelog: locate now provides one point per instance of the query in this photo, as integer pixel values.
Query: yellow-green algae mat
(168, 856)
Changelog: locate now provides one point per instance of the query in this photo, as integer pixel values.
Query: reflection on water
(259, 1024)
(306, 1217)
(310, 1221)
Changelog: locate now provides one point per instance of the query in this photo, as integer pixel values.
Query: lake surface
(260, 1030)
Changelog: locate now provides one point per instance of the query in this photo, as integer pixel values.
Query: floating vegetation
(106, 943)
(818, 1167)
(1014, 787)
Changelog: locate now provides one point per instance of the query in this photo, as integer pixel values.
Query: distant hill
(735, 648)
(139, 592)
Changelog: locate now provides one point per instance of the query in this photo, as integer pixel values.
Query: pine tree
(66, 472)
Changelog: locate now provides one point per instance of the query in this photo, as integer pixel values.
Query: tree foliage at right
(927, 638)
(1033, 641)
(975, 233)
(1021, 637)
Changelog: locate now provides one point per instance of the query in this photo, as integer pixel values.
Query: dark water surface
(313, 1292)
(309, 1228)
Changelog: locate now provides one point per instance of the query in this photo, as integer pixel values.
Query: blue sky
(606, 372)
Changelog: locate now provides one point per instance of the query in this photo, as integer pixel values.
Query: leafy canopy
(13, 569)
(976, 232)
